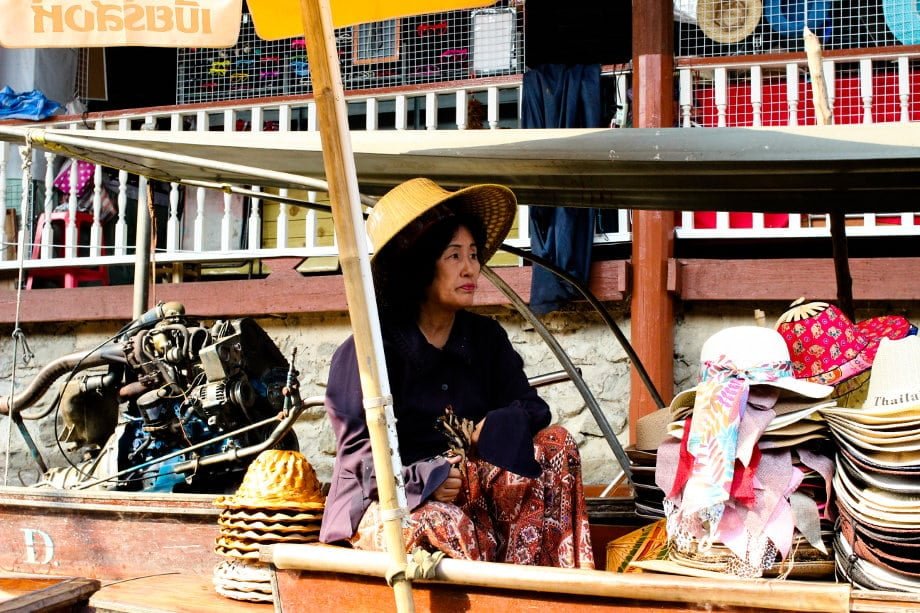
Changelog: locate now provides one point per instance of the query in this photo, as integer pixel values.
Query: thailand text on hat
(895, 381)
(728, 21)
(407, 210)
(826, 347)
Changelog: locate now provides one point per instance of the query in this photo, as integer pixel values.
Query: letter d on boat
(47, 546)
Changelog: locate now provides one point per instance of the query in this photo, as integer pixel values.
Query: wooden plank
(28, 594)
(169, 593)
(283, 291)
(302, 591)
(788, 279)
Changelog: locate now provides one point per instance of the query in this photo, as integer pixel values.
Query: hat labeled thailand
(895, 381)
(757, 354)
(409, 209)
(277, 479)
(826, 347)
(728, 21)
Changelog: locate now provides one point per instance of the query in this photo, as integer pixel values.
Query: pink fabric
(828, 348)
(85, 172)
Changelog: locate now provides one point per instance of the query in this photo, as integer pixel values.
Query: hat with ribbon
(826, 347)
(728, 21)
(731, 361)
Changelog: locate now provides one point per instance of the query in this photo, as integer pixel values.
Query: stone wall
(582, 334)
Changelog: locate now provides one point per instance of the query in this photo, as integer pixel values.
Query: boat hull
(106, 535)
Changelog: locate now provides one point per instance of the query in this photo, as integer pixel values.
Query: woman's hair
(401, 277)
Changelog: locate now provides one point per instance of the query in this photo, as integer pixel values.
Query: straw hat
(410, 208)
(277, 479)
(895, 381)
(826, 347)
(728, 21)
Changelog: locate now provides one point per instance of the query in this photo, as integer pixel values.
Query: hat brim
(682, 404)
(494, 205)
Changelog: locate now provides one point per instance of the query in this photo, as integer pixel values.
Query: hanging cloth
(560, 96)
(32, 105)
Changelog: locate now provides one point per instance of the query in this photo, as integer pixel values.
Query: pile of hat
(280, 500)
(874, 366)
(877, 484)
(746, 463)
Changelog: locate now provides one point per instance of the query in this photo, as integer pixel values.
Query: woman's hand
(450, 489)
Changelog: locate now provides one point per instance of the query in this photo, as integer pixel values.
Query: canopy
(805, 169)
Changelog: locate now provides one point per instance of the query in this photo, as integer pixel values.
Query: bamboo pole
(704, 593)
(341, 174)
(824, 116)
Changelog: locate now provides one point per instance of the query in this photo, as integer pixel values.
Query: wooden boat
(868, 161)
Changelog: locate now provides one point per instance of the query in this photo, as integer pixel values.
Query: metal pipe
(48, 375)
(573, 373)
(235, 454)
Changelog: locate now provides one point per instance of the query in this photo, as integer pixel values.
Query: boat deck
(171, 593)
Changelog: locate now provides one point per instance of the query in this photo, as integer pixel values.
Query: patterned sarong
(503, 517)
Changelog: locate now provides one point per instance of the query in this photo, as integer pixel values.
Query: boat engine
(182, 408)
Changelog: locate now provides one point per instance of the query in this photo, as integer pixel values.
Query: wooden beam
(284, 291)
(788, 279)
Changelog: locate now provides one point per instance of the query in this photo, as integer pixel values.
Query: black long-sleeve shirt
(477, 372)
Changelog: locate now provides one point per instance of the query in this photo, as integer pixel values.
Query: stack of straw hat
(279, 501)
(877, 484)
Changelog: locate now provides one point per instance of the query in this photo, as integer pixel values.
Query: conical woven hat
(404, 213)
(728, 21)
(277, 479)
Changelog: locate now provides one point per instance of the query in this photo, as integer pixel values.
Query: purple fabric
(478, 373)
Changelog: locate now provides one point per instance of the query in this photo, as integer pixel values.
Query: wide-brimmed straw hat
(728, 21)
(409, 209)
(826, 347)
(895, 381)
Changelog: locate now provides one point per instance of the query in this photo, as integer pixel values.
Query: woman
(517, 495)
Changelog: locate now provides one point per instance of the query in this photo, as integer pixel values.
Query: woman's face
(456, 274)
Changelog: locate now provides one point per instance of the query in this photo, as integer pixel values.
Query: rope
(422, 565)
(19, 337)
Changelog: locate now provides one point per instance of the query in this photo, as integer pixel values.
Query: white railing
(755, 91)
(209, 226)
(204, 226)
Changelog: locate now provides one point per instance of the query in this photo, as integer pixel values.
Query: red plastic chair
(68, 276)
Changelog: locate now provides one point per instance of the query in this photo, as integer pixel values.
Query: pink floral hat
(826, 347)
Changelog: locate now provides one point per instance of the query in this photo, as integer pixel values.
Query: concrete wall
(581, 333)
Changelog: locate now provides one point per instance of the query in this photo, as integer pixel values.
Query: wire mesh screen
(743, 27)
(429, 48)
(864, 91)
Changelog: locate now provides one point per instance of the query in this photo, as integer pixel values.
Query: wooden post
(339, 162)
(652, 319)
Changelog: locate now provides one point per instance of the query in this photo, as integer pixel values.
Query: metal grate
(430, 48)
(742, 27)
